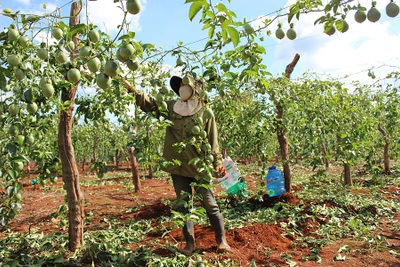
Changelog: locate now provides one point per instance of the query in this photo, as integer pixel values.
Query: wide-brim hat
(175, 83)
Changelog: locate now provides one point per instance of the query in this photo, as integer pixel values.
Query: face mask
(185, 92)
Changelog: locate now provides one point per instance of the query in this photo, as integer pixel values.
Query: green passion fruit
(279, 33)
(13, 60)
(70, 46)
(103, 80)
(208, 114)
(160, 97)
(127, 51)
(13, 109)
(57, 33)
(132, 65)
(30, 139)
(360, 16)
(392, 9)
(94, 64)
(19, 139)
(185, 80)
(84, 52)
(13, 35)
(164, 90)
(248, 29)
(61, 57)
(179, 61)
(48, 90)
(13, 130)
(32, 108)
(133, 6)
(111, 68)
(342, 26)
(23, 41)
(94, 36)
(196, 130)
(291, 33)
(330, 31)
(373, 14)
(20, 74)
(74, 75)
(42, 53)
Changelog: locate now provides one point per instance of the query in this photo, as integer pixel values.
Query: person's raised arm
(146, 103)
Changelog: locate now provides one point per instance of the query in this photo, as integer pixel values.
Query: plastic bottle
(275, 182)
(233, 181)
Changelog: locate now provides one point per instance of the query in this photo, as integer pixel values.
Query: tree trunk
(135, 170)
(70, 171)
(94, 158)
(282, 139)
(347, 175)
(346, 166)
(386, 159)
(83, 164)
(325, 154)
(117, 156)
(224, 153)
(150, 168)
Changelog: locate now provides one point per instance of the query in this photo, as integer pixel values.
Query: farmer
(183, 113)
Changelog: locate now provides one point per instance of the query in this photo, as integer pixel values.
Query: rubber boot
(188, 234)
(217, 223)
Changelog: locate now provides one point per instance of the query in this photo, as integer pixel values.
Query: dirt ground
(249, 242)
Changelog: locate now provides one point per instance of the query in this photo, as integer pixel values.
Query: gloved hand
(220, 172)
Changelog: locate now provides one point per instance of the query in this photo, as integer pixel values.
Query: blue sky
(164, 23)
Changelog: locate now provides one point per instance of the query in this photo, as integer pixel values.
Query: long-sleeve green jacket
(179, 131)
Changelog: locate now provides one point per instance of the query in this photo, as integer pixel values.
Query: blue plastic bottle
(275, 182)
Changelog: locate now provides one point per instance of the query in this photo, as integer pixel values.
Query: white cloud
(364, 46)
(108, 15)
(25, 2)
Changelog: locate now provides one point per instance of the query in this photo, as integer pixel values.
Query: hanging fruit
(133, 6)
(279, 33)
(48, 90)
(103, 80)
(392, 9)
(42, 52)
(342, 26)
(360, 16)
(94, 36)
(329, 29)
(74, 75)
(373, 14)
(248, 29)
(94, 64)
(111, 68)
(291, 33)
(84, 52)
(13, 34)
(57, 33)
(132, 64)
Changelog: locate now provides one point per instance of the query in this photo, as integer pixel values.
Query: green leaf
(195, 7)
(211, 32)
(224, 34)
(59, 260)
(261, 49)
(221, 7)
(11, 148)
(10, 191)
(79, 28)
(234, 34)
